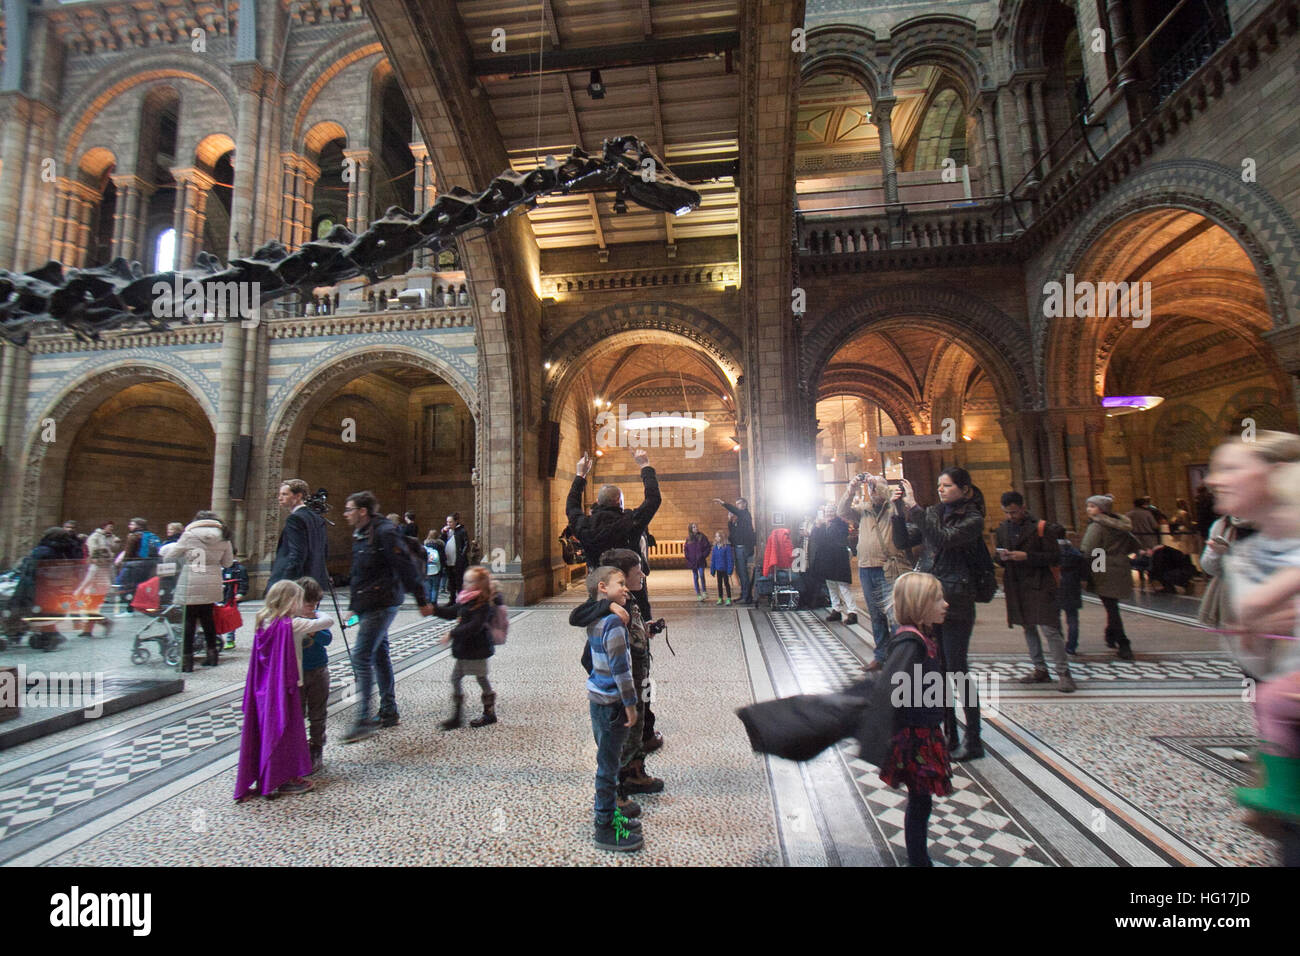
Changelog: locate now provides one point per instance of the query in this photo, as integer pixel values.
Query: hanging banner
(911, 442)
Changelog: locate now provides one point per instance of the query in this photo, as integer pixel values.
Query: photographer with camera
(880, 562)
(302, 548)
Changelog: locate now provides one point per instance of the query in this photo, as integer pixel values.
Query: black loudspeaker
(551, 448)
(241, 454)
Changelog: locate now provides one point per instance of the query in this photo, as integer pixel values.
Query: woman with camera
(949, 533)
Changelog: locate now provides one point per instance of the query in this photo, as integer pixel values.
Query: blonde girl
(478, 605)
(918, 753)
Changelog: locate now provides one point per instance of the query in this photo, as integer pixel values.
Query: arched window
(324, 226)
(165, 251)
(943, 132)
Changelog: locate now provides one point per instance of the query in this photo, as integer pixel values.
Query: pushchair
(162, 626)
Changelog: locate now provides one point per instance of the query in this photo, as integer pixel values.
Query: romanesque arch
(137, 71)
(314, 382)
(944, 41)
(842, 48)
(308, 85)
(1257, 221)
(628, 323)
(993, 337)
(88, 386)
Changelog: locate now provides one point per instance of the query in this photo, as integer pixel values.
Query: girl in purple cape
(273, 752)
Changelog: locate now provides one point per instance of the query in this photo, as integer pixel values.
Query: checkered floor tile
(970, 827)
(25, 802)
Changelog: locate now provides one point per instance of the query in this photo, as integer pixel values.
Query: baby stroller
(162, 626)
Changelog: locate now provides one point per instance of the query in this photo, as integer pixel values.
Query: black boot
(187, 663)
(971, 748)
(454, 721)
(213, 657)
(489, 711)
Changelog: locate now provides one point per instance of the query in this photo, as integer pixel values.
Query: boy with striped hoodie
(611, 696)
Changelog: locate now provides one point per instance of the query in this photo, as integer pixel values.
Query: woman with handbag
(950, 532)
(203, 550)
(1113, 535)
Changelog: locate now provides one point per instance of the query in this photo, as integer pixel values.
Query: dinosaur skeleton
(88, 302)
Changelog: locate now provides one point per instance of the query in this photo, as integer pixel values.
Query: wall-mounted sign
(911, 442)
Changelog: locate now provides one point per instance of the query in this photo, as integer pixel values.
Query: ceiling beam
(641, 53)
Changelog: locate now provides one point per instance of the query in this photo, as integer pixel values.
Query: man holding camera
(880, 562)
(382, 570)
(302, 547)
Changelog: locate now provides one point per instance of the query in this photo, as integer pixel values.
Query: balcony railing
(849, 230)
(1179, 67)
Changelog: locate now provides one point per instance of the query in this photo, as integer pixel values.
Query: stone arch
(617, 325)
(1252, 216)
(946, 41)
(996, 340)
(1029, 19)
(317, 380)
(211, 148)
(1182, 427)
(136, 71)
(1228, 420)
(88, 385)
(842, 48)
(862, 382)
(311, 80)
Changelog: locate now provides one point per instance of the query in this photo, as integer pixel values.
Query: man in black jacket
(743, 543)
(455, 539)
(382, 569)
(609, 526)
(301, 550)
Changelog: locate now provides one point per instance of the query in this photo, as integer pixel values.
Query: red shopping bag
(227, 618)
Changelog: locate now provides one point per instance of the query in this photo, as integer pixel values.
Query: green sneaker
(728, 602)
(719, 602)
(617, 837)
(1280, 795)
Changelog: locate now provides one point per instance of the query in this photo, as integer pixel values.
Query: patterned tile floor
(1148, 748)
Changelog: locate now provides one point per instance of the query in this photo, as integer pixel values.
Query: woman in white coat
(203, 550)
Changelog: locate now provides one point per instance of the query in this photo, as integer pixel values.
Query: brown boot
(638, 781)
(1039, 676)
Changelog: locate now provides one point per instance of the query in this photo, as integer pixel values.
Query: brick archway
(318, 381)
(988, 333)
(1254, 218)
(90, 384)
(842, 48)
(621, 325)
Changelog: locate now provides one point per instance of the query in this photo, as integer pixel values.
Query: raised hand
(642, 457)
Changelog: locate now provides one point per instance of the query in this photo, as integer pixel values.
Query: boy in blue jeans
(315, 673)
(611, 696)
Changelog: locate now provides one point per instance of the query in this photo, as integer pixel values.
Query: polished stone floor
(1135, 769)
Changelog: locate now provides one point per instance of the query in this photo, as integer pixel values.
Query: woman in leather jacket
(949, 532)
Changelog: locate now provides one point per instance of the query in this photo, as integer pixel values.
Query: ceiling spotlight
(599, 453)
(735, 443)
(607, 403)
(595, 88)
(620, 205)
(546, 365)
(598, 403)
(966, 438)
(862, 444)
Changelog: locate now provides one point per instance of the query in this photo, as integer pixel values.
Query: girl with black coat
(949, 533)
(471, 642)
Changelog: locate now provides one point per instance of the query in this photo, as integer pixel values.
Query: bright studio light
(796, 490)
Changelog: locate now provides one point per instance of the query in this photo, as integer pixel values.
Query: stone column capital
(250, 76)
(881, 108)
(361, 155)
(296, 162)
(132, 181)
(419, 149)
(185, 175)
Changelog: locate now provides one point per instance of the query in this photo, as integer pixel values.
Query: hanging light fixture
(668, 421)
(1116, 405)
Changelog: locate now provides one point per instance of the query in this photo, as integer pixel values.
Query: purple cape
(273, 749)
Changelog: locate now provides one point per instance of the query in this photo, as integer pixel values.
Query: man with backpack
(384, 568)
(150, 546)
(1031, 559)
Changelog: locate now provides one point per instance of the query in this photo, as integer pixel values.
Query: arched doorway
(1197, 347)
(389, 421)
(125, 441)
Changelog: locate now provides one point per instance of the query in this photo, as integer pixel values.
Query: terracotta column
(881, 110)
(988, 135)
(249, 79)
(1020, 91)
(191, 204)
(358, 189)
(1035, 89)
(126, 224)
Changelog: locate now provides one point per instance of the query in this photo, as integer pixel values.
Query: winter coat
(801, 727)
(779, 552)
(722, 559)
(470, 639)
(697, 552)
(875, 536)
(740, 529)
(200, 554)
(949, 539)
(1029, 585)
(462, 547)
(1112, 534)
(102, 547)
(302, 549)
(1145, 527)
(1069, 595)
(829, 544)
(383, 568)
(235, 582)
(609, 526)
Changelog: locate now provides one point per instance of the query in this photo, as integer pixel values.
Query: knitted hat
(1103, 502)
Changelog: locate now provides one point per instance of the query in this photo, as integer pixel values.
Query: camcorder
(319, 502)
(656, 627)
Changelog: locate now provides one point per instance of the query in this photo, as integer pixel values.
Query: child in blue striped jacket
(723, 562)
(611, 697)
